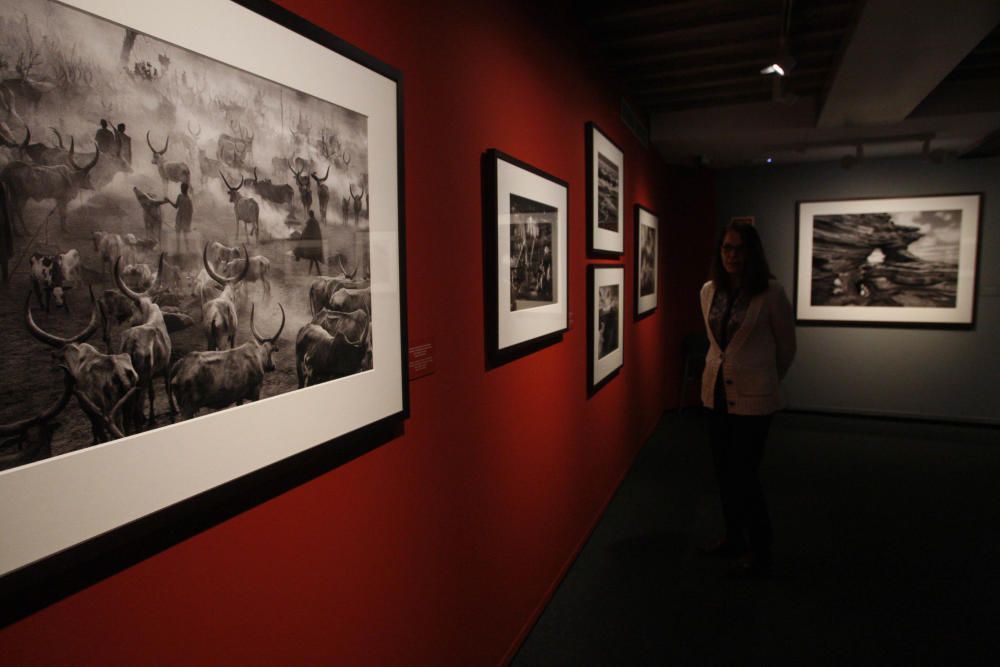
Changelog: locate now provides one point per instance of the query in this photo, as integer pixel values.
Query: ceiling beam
(898, 53)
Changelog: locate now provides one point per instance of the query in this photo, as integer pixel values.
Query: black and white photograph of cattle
(886, 258)
(607, 320)
(177, 236)
(647, 260)
(531, 253)
(607, 193)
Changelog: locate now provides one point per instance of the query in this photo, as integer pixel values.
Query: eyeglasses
(728, 248)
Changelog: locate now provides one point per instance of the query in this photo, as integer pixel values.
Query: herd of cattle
(114, 387)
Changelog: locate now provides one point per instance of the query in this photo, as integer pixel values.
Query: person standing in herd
(751, 333)
(182, 221)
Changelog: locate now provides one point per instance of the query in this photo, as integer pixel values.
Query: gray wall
(884, 371)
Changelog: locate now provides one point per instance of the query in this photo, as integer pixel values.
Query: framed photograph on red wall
(647, 253)
(605, 323)
(228, 183)
(605, 195)
(525, 235)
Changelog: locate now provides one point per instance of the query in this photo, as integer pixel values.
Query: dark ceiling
(896, 77)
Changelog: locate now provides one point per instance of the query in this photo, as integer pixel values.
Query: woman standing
(751, 333)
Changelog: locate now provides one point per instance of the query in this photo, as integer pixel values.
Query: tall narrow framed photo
(605, 198)
(900, 261)
(605, 323)
(647, 240)
(525, 235)
(255, 141)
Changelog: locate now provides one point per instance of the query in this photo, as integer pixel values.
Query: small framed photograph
(902, 261)
(605, 201)
(525, 241)
(605, 323)
(647, 240)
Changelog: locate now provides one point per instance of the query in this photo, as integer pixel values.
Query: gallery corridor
(887, 552)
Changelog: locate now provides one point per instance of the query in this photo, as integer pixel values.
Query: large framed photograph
(647, 230)
(202, 243)
(605, 323)
(605, 199)
(525, 236)
(903, 261)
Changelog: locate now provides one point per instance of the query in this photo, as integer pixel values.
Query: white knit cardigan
(756, 358)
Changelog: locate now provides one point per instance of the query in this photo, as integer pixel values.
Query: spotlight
(774, 68)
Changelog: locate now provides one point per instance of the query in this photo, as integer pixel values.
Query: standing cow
(218, 316)
(152, 214)
(176, 172)
(218, 379)
(246, 208)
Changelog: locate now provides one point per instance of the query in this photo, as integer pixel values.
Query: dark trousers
(737, 450)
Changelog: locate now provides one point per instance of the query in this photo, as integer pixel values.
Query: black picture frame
(525, 310)
(604, 358)
(605, 223)
(834, 288)
(646, 223)
(74, 554)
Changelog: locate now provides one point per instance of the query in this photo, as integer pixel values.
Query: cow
(305, 192)
(102, 380)
(152, 214)
(258, 271)
(219, 253)
(147, 343)
(353, 324)
(47, 280)
(268, 191)
(322, 356)
(234, 151)
(323, 288)
(112, 246)
(207, 166)
(60, 183)
(357, 203)
(322, 193)
(30, 439)
(176, 172)
(108, 166)
(246, 208)
(138, 277)
(71, 266)
(42, 154)
(116, 309)
(218, 379)
(218, 316)
(205, 288)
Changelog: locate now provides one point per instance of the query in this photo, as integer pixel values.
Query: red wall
(441, 546)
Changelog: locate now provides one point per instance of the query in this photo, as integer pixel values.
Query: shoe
(750, 567)
(724, 549)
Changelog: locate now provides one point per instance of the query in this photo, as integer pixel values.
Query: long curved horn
(59, 137)
(220, 279)
(349, 276)
(27, 137)
(227, 182)
(112, 419)
(134, 296)
(364, 334)
(255, 179)
(320, 180)
(291, 162)
(90, 165)
(256, 334)
(150, 144)
(58, 341)
(57, 407)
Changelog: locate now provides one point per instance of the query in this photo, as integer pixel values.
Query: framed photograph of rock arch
(228, 183)
(901, 261)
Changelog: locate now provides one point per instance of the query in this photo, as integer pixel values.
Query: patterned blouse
(736, 304)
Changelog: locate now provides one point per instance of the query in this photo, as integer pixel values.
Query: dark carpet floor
(887, 552)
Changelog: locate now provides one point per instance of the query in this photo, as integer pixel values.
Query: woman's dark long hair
(756, 272)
